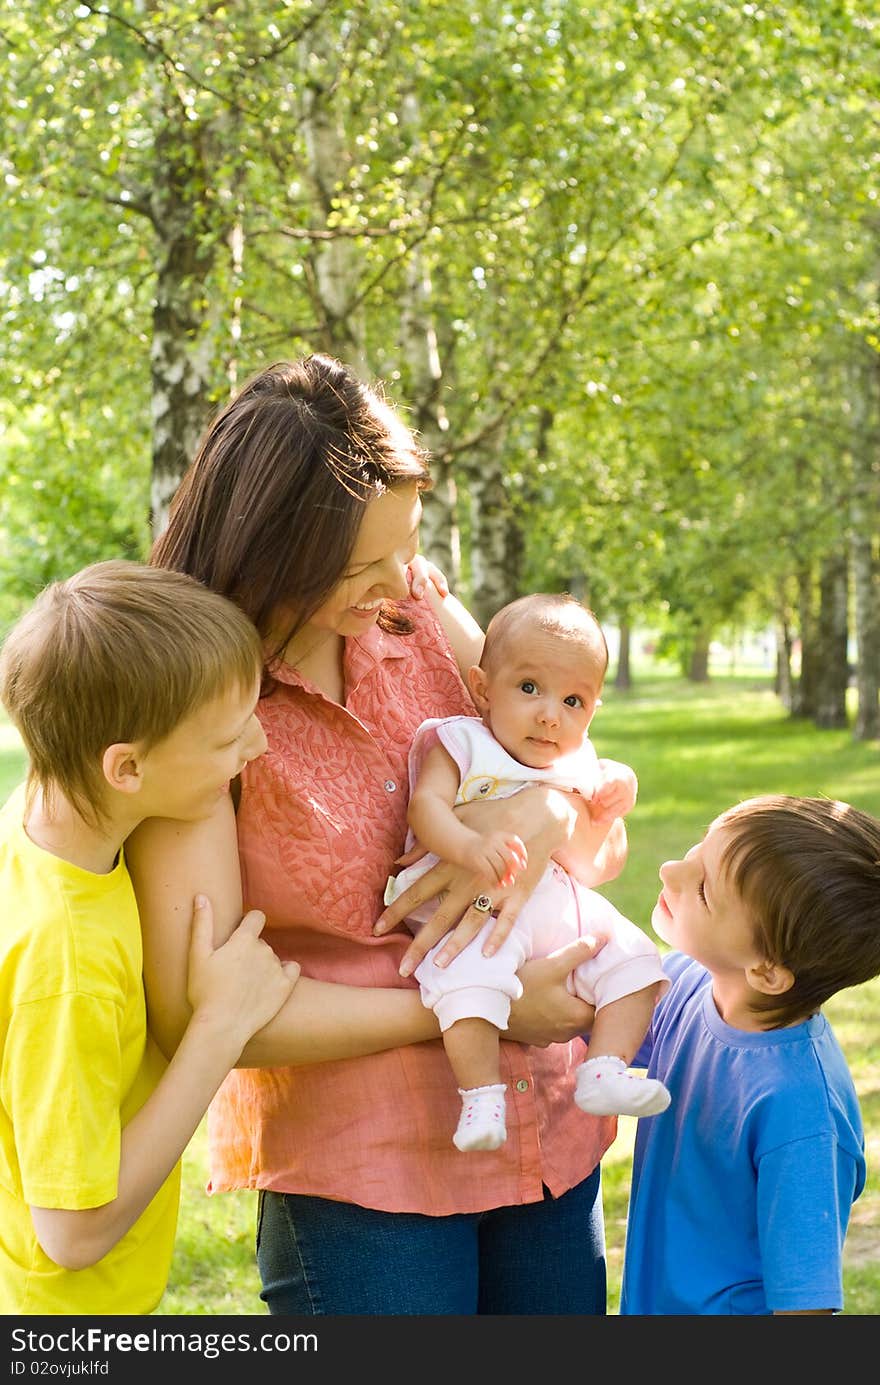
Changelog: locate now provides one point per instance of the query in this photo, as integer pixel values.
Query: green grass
(12, 760)
(697, 750)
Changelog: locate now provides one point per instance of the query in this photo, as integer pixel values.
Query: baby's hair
(553, 613)
(808, 871)
(119, 652)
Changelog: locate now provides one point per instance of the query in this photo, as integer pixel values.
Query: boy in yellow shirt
(134, 691)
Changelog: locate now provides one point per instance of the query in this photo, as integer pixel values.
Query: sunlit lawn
(696, 750)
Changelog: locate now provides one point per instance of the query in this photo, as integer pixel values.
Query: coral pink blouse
(321, 819)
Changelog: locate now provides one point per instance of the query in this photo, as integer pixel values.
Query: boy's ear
(122, 767)
(770, 978)
(476, 681)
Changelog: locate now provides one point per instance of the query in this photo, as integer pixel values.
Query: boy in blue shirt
(742, 1190)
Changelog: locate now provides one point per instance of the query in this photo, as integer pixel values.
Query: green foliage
(653, 223)
(64, 500)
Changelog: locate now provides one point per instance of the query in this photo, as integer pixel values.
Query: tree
(617, 269)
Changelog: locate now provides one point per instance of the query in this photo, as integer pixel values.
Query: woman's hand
(420, 572)
(547, 1012)
(454, 887)
(543, 818)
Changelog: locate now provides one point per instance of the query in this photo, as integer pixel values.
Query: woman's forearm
(323, 1021)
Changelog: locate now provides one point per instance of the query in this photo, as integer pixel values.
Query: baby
(536, 688)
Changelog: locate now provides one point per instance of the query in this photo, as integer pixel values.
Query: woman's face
(386, 543)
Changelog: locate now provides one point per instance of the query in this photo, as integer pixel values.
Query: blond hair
(119, 652)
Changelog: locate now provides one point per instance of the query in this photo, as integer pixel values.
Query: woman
(303, 506)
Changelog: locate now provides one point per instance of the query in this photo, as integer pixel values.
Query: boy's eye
(527, 686)
(701, 891)
(573, 700)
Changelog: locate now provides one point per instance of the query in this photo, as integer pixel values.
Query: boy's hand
(496, 859)
(240, 985)
(616, 792)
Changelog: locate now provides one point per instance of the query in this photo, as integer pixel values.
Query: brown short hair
(118, 652)
(808, 870)
(269, 510)
(558, 614)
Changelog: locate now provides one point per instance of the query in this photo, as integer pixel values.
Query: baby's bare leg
(604, 1087)
(619, 1028)
(472, 1049)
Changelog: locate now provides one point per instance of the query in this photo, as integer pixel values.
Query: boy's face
(700, 913)
(186, 774)
(539, 699)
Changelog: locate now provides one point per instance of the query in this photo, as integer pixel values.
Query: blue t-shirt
(742, 1189)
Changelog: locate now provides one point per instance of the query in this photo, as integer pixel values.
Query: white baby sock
(481, 1124)
(605, 1087)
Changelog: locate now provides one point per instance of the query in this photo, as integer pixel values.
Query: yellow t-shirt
(75, 1065)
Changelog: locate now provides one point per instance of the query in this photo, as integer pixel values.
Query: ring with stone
(483, 903)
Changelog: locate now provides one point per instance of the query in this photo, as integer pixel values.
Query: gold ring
(483, 903)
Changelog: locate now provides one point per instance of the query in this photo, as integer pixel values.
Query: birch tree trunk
(424, 373)
(333, 262)
(783, 683)
(188, 222)
(804, 702)
(866, 550)
(832, 668)
(698, 668)
(493, 529)
(623, 675)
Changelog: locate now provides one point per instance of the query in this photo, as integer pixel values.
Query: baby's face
(541, 700)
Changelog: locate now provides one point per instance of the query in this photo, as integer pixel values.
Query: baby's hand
(243, 984)
(498, 858)
(616, 792)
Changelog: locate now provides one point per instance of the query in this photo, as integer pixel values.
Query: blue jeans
(320, 1257)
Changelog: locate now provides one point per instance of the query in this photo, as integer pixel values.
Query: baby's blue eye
(573, 700)
(527, 686)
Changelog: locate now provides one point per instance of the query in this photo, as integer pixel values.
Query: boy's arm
(171, 862)
(323, 1020)
(234, 989)
(806, 1186)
